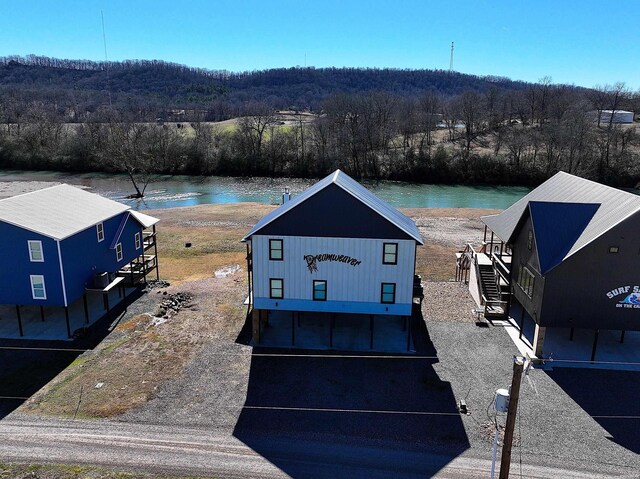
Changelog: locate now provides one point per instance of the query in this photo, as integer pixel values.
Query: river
(176, 191)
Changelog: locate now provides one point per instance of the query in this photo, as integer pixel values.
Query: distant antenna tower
(451, 60)
(106, 60)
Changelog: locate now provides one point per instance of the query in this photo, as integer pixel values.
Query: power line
(585, 361)
(19, 348)
(106, 60)
(360, 411)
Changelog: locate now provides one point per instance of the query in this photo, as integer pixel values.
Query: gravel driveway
(555, 424)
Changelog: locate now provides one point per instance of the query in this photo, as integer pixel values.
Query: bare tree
(129, 150)
(252, 129)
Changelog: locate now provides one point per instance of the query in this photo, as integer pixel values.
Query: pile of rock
(172, 303)
(157, 283)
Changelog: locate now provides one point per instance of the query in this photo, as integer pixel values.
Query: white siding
(345, 282)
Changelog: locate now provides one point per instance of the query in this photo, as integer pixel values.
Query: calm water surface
(175, 191)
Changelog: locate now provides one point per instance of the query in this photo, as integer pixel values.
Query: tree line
(492, 137)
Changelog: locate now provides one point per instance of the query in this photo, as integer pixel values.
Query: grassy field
(42, 471)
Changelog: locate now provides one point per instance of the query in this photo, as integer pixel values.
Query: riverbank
(167, 191)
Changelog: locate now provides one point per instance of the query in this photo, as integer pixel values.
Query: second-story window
(119, 252)
(526, 280)
(100, 231)
(35, 251)
(276, 252)
(137, 239)
(390, 253)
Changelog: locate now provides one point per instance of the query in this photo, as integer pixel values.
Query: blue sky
(583, 42)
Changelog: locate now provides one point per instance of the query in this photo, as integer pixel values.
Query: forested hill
(154, 84)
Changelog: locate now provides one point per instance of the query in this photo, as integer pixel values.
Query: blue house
(60, 242)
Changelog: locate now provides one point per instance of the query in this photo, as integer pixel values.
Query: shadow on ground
(323, 398)
(27, 365)
(610, 397)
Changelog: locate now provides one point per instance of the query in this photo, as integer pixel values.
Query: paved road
(215, 452)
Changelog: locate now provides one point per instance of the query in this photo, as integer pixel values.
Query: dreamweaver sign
(313, 260)
(627, 296)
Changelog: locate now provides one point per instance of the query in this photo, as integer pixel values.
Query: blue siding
(15, 285)
(332, 306)
(83, 256)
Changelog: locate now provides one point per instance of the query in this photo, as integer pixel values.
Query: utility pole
(451, 59)
(505, 459)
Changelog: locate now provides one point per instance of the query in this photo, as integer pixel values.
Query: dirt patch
(126, 370)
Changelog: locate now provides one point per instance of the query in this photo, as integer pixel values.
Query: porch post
(106, 304)
(371, 331)
(42, 313)
(86, 308)
(19, 320)
(333, 318)
(622, 337)
(66, 317)
(248, 276)
(155, 249)
(521, 321)
(538, 340)
(409, 320)
(293, 328)
(255, 319)
(595, 345)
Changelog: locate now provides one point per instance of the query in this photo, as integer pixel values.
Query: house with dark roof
(336, 248)
(61, 242)
(563, 259)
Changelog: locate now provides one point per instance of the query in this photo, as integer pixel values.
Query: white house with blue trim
(335, 248)
(60, 242)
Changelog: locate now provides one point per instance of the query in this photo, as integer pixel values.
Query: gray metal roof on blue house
(355, 189)
(607, 207)
(62, 211)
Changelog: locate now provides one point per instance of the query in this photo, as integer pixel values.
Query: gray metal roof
(145, 220)
(59, 211)
(356, 190)
(615, 206)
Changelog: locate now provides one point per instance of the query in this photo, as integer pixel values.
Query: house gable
(333, 212)
(557, 226)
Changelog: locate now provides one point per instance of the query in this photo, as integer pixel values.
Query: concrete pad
(54, 326)
(352, 332)
(559, 351)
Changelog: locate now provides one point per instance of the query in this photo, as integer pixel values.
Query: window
(530, 240)
(390, 253)
(388, 293)
(119, 252)
(38, 291)
(100, 231)
(137, 239)
(276, 288)
(35, 251)
(275, 250)
(319, 290)
(526, 280)
(613, 249)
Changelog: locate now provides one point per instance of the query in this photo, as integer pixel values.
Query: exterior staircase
(481, 272)
(488, 282)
